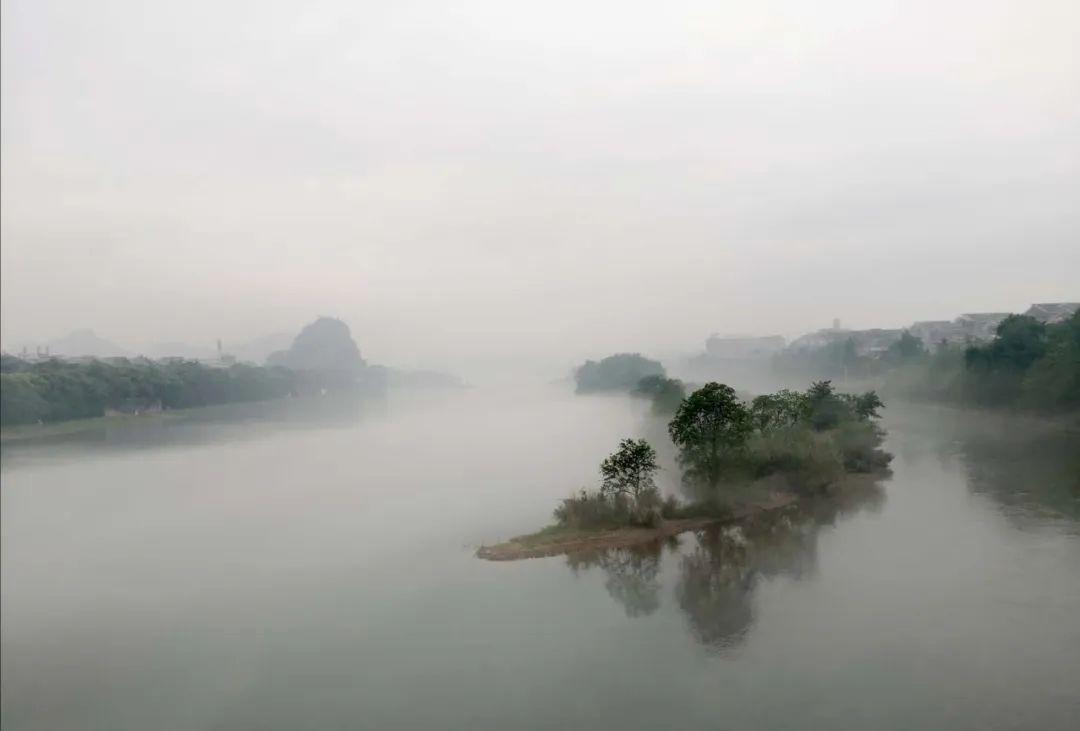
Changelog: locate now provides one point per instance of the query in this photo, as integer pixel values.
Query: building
(981, 325)
(933, 332)
(1050, 312)
(867, 342)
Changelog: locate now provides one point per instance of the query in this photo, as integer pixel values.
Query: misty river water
(277, 570)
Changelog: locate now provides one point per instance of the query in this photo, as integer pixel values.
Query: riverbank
(25, 432)
(557, 541)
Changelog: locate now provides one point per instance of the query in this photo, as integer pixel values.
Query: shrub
(859, 443)
(810, 460)
(593, 510)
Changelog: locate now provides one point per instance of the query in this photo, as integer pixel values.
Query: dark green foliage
(995, 372)
(710, 426)
(859, 443)
(1028, 365)
(781, 409)
(905, 350)
(809, 458)
(56, 390)
(20, 402)
(1053, 381)
(666, 393)
(1020, 341)
(864, 405)
(629, 471)
(620, 372)
(810, 438)
(825, 408)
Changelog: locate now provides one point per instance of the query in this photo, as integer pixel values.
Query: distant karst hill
(325, 346)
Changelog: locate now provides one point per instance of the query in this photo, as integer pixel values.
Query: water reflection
(632, 574)
(194, 427)
(717, 570)
(1032, 474)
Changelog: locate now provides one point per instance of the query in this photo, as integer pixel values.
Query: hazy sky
(475, 182)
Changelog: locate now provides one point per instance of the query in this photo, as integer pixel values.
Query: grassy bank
(556, 540)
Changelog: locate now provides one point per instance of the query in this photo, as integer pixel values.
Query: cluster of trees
(1028, 365)
(635, 374)
(811, 438)
(57, 390)
(620, 372)
(665, 393)
(841, 358)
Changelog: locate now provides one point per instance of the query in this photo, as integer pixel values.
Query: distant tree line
(1028, 365)
(620, 372)
(57, 390)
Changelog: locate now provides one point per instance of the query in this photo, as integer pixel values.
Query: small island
(741, 462)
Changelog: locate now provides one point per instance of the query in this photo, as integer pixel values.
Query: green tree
(710, 427)
(621, 372)
(865, 405)
(905, 350)
(824, 407)
(1053, 382)
(666, 393)
(20, 402)
(778, 410)
(629, 471)
(994, 373)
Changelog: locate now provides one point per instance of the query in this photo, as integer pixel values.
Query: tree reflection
(632, 575)
(721, 568)
(1030, 474)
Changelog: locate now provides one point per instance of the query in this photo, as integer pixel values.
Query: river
(271, 571)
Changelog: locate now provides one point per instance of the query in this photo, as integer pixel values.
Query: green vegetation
(56, 390)
(1028, 365)
(620, 372)
(666, 393)
(731, 451)
(627, 495)
(839, 358)
(710, 428)
(809, 439)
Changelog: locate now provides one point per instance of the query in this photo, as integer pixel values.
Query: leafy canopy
(629, 471)
(709, 426)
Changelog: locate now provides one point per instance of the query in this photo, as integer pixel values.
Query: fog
(487, 187)
(284, 570)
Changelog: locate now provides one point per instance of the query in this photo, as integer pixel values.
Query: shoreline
(562, 542)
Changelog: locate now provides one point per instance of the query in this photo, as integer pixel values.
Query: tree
(666, 393)
(710, 426)
(620, 372)
(995, 372)
(824, 407)
(865, 405)
(778, 410)
(1053, 382)
(629, 471)
(908, 348)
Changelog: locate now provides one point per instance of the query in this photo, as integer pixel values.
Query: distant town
(967, 328)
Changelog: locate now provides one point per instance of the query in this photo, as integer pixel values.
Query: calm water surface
(311, 570)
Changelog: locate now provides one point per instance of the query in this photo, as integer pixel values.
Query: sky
(483, 184)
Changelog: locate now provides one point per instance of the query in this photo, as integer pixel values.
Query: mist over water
(278, 571)
(305, 308)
